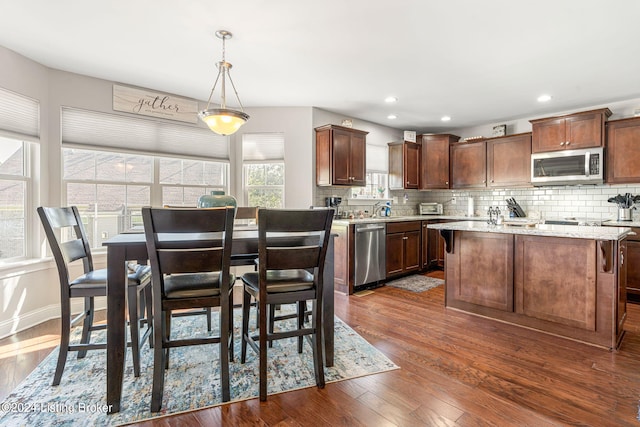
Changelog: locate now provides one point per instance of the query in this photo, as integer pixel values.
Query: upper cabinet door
(358, 158)
(574, 131)
(340, 156)
(623, 151)
(509, 161)
(434, 164)
(548, 135)
(411, 165)
(584, 131)
(404, 165)
(469, 165)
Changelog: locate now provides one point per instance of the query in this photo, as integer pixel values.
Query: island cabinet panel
(565, 286)
(555, 280)
(486, 273)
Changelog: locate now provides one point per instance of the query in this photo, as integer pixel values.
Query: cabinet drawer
(401, 227)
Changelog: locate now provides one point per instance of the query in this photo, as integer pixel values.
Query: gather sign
(154, 104)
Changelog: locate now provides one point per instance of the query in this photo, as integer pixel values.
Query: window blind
(261, 147)
(19, 115)
(103, 130)
(377, 158)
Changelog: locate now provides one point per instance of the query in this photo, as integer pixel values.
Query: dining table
(131, 246)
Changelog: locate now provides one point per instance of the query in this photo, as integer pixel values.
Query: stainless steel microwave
(568, 167)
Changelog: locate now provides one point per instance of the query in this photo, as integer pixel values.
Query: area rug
(193, 380)
(416, 283)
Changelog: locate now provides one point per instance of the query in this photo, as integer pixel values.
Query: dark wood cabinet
(340, 156)
(632, 261)
(404, 165)
(486, 275)
(509, 161)
(469, 165)
(424, 246)
(403, 241)
(579, 130)
(432, 256)
(623, 151)
(434, 162)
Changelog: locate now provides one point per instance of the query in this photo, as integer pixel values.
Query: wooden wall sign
(154, 104)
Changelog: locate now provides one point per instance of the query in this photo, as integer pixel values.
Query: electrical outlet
(453, 201)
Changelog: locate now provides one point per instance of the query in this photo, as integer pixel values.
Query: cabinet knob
(446, 182)
(562, 143)
(405, 238)
(567, 143)
(492, 181)
(484, 181)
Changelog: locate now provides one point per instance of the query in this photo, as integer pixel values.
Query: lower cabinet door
(411, 251)
(395, 253)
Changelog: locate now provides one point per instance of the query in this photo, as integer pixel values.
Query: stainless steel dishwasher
(370, 256)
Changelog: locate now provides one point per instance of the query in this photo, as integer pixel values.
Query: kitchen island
(568, 281)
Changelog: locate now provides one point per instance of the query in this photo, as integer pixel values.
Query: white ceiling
(477, 61)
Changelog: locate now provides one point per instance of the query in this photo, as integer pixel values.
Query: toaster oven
(430, 208)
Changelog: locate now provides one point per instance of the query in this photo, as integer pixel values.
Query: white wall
(299, 167)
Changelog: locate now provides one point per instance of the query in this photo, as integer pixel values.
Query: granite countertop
(548, 230)
(406, 218)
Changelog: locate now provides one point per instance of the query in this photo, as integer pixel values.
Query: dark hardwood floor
(456, 369)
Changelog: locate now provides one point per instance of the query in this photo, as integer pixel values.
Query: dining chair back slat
(176, 261)
(287, 258)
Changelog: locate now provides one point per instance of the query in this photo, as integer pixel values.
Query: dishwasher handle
(368, 229)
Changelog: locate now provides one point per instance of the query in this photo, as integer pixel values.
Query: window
(377, 174)
(110, 188)
(114, 164)
(14, 194)
(183, 181)
(263, 170)
(19, 135)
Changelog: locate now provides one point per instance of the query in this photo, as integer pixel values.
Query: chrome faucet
(491, 212)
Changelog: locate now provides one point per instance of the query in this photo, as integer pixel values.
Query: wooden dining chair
(190, 255)
(290, 270)
(91, 284)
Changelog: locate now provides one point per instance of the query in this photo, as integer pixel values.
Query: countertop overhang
(570, 231)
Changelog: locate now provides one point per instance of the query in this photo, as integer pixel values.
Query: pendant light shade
(223, 120)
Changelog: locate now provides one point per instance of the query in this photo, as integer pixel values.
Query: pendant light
(223, 121)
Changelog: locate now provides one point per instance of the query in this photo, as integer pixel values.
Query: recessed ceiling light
(544, 98)
(392, 117)
(445, 118)
(391, 99)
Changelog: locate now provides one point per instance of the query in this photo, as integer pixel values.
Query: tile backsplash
(538, 203)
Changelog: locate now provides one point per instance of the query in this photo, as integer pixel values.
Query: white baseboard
(27, 320)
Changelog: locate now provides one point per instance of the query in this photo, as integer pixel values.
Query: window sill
(366, 201)
(18, 268)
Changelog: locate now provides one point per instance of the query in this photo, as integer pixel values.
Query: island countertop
(548, 230)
